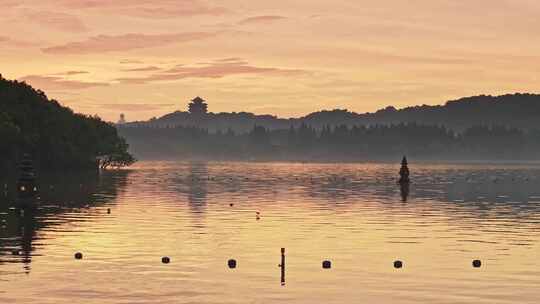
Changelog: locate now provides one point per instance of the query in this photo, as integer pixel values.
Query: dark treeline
(513, 110)
(54, 135)
(356, 143)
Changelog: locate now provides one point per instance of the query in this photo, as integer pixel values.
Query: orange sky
(147, 58)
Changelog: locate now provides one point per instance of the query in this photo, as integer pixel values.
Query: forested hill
(54, 135)
(516, 110)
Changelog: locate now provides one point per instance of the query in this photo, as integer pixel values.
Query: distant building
(122, 119)
(198, 106)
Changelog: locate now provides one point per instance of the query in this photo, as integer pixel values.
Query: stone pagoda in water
(404, 172)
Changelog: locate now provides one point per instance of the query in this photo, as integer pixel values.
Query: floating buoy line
(233, 263)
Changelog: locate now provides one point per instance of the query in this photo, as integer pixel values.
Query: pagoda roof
(198, 99)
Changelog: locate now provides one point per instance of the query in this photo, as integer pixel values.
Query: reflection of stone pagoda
(404, 172)
(26, 185)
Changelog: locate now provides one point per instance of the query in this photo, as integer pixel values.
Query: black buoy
(326, 264)
(165, 260)
(78, 256)
(231, 204)
(108, 210)
(398, 264)
(231, 263)
(476, 263)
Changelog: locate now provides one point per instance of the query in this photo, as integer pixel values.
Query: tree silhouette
(455, 115)
(55, 135)
(198, 106)
(118, 156)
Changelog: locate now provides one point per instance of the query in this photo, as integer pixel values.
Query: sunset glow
(288, 58)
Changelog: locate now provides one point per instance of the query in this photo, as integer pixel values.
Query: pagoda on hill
(198, 106)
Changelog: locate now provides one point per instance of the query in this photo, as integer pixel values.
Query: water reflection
(198, 182)
(451, 194)
(404, 189)
(59, 194)
(354, 215)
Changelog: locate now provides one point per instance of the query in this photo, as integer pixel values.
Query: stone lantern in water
(26, 185)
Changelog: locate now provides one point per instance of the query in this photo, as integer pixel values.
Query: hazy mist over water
(351, 214)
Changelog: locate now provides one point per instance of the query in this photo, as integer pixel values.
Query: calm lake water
(351, 214)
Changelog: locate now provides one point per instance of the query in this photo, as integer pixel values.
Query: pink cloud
(5, 4)
(261, 19)
(216, 69)
(55, 83)
(108, 43)
(55, 20)
(9, 42)
(147, 9)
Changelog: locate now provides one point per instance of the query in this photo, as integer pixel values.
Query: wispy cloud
(130, 61)
(231, 59)
(147, 9)
(261, 19)
(108, 43)
(216, 69)
(54, 20)
(55, 83)
(9, 42)
(401, 58)
(70, 73)
(142, 69)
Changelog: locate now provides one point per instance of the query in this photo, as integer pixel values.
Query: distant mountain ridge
(512, 110)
